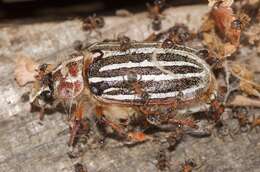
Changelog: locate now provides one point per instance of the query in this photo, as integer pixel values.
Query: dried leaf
(225, 21)
(226, 3)
(246, 77)
(24, 70)
(215, 44)
(253, 34)
(207, 25)
(244, 19)
(249, 89)
(221, 29)
(229, 49)
(240, 100)
(123, 13)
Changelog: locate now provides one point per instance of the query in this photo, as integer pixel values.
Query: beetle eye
(46, 96)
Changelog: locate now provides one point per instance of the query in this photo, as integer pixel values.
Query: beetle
(147, 78)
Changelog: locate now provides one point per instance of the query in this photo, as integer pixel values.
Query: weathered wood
(27, 146)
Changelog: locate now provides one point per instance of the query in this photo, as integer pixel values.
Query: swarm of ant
(220, 34)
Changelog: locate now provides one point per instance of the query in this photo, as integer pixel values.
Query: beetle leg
(73, 132)
(152, 117)
(148, 112)
(77, 124)
(156, 118)
(114, 126)
(117, 128)
(41, 114)
(134, 136)
(187, 122)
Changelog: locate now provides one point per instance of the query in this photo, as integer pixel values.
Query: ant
(155, 9)
(157, 24)
(175, 137)
(162, 161)
(80, 168)
(188, 165)
(92, 23)
(125, 43)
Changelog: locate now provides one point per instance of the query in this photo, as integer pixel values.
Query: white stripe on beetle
(146, 63)
(148, 50)
(186, 94)
(161, 77)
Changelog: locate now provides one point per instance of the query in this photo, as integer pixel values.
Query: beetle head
(44, 86)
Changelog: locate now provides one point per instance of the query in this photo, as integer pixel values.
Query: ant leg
(217, 109)
(156, 118)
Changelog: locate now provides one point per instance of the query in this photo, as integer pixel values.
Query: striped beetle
(160, 81)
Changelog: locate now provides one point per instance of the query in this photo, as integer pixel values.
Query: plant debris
(25, 70)
(221, 30)
(246, 84)
(240, 100)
